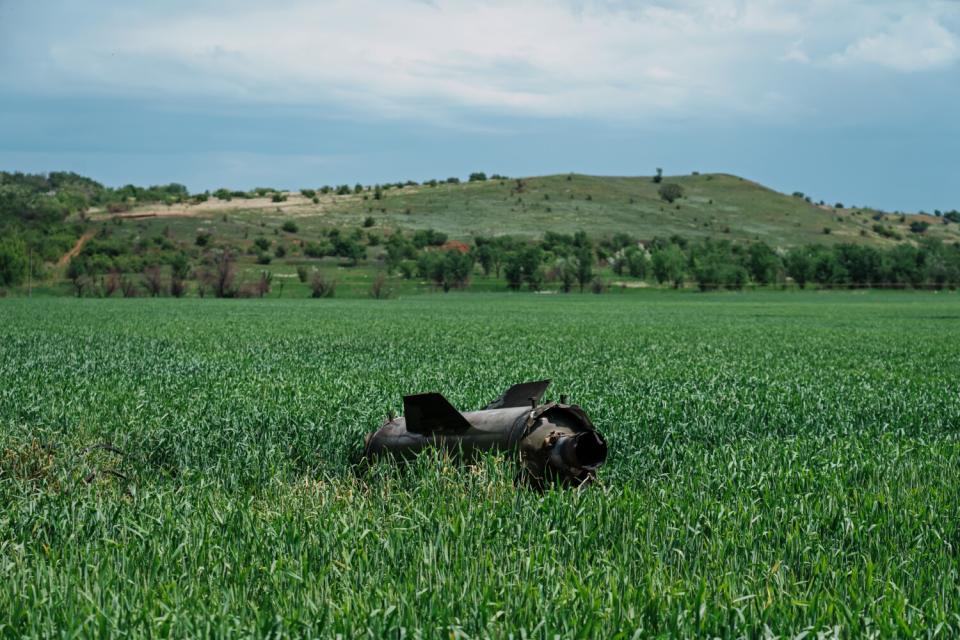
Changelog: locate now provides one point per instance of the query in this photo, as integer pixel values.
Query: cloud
(914, 43)
(433, 60)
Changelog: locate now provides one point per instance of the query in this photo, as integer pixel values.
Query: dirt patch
(75, 250)
(213, 206)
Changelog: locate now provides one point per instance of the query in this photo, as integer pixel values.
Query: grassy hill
(713, 205)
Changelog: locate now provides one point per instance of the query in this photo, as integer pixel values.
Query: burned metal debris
(556, 441)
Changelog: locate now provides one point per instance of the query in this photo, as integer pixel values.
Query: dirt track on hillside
(75, 250)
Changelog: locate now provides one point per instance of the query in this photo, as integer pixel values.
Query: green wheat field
(780, 463)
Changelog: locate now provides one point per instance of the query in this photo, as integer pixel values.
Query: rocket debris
(556, 441)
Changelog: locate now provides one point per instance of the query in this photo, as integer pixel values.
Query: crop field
(780, 463)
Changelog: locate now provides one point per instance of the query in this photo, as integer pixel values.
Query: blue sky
(855, 101)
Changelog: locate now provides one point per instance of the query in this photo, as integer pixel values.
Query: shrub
(280, 251)
(316, 200)
(826, 231)
(203, 239)
(659, 176)
(670, 191)
(317, 249)
(302, 274)
(279, 197)
(264, 258)
(378, 288)
(290, 226)
(308, 193)
(598, 286)
(369, 221)
(13, 261)
(478, 176)
(261, 243)
(321, 286)
(153, 280)
(919, 226)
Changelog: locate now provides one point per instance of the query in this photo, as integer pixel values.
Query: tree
(565, 271)
(799, 265)
(763, 263)
(224, 275)
(636, 262)
(13, 261)
(659, 176)
(669, 265)
(153, 280)
(478, 176)
(670, 191)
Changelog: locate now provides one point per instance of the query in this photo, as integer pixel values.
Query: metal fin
(519, 395)
(429, 412)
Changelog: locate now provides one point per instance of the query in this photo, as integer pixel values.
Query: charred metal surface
(556, 441)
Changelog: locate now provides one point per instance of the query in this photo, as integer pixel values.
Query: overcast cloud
(679, 79)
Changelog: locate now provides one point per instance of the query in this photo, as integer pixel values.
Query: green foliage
(669, 265)
(428, 238)
(670, 191)
(261, 243)
(478, 176)
(308, 193)
(317, 249)
(13, 261)
(446, 269)
(290, 226)
(919, 226)
(369, 221)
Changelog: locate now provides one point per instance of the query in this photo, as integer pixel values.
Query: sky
(855, 102)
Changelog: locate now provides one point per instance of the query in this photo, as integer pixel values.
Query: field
(780, 463)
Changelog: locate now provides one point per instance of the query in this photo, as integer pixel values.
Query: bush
(280, 251)
(598, 286)
(308, 193)
(13, 261)
(316, 200)
(826, 231)
(302, 274)
(369, 221)
(317, 249)
(321, 286)
(919, 226)
(670, 191)
(264, 258)
(290, 226)
(378, 288)
(478, 176)
(279, 197)
(261, 243)
(203, 239)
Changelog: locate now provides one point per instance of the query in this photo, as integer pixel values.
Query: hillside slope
(713, 205)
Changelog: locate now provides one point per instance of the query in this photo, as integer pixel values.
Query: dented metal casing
(556, 442)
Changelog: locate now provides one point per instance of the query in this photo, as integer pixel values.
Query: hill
(712, 206)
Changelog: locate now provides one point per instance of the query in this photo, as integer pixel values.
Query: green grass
(779, 461)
